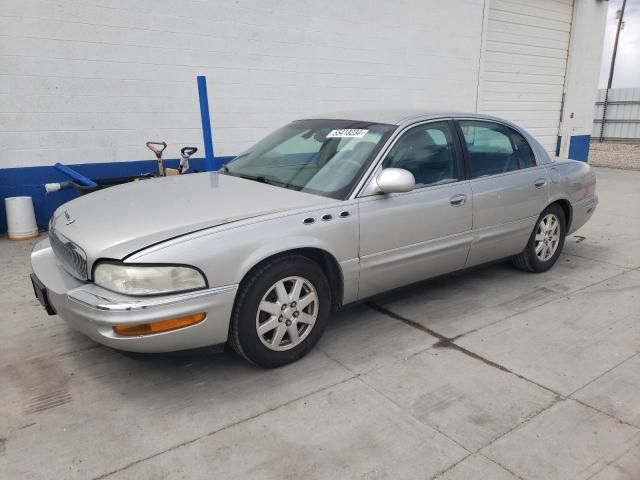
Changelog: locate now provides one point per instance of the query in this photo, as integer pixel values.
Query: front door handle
(458, 200)
(539, 183)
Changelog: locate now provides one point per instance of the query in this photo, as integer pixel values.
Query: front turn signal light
(160, 326)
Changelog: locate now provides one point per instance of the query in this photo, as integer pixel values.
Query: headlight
(147, 279)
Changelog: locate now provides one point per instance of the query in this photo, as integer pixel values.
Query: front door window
(428, 151)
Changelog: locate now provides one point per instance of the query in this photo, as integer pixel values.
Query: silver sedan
(323, 212)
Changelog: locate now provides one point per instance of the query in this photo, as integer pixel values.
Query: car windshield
(325, 157)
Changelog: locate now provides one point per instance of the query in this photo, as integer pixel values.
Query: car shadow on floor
(436, 289)
(460, 297)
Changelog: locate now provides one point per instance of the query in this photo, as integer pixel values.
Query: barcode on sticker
(348, 133)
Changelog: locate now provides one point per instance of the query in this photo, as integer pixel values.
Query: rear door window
(490, 149)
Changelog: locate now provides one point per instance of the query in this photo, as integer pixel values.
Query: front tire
(545, 243)
(281, 311)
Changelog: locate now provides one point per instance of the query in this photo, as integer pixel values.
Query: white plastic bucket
(21, 219)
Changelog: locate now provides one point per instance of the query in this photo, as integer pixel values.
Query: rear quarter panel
(573, 181)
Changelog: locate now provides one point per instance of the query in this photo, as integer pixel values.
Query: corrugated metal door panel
(518, 59)
(524, 64)
(539, 8)
(543, 32)
(526, 35)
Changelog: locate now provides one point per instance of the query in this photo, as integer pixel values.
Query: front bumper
(94, 311)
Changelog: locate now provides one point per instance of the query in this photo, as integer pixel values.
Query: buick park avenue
(323, 212)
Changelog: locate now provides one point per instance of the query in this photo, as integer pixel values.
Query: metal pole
(611, 69)
(209, 158)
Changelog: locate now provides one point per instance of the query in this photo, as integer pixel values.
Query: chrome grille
(72, 258)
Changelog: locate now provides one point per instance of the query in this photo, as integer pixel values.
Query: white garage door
(524, 66)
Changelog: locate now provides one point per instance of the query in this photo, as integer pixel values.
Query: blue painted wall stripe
(206, 124)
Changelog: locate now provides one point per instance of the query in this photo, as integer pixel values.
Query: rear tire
(281, 311)
(545, 243)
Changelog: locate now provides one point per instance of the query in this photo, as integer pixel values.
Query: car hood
(117, 221)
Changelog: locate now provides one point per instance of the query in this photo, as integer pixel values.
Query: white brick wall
(91, 80)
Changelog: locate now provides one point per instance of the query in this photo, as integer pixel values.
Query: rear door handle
(539, 183)
(458, 200)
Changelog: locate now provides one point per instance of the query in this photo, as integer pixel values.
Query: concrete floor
(492, 374)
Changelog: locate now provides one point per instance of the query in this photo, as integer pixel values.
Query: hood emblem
(68, 218)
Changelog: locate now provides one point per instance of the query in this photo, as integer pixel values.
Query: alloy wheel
(287, 312)
(547, 237)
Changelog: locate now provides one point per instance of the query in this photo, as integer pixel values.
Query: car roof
(406, 116)
(398, 116)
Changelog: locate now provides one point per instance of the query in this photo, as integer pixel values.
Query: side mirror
(395, 180)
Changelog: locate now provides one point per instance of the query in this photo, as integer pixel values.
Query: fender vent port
(327, 216)
(344, 214)
(309, 220)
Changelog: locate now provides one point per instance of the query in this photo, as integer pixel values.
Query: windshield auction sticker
(348, 133)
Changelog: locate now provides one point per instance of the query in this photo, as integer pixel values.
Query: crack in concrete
(447, 342)
(27, 425)
(80, 350)
(620, 421)
(450, 467)
(603, 374)
(359, 376)
(613, 461)
(221, 429)
(408, 321)
(405, 410)
(557, 297)
(624, 267)
(515, 475)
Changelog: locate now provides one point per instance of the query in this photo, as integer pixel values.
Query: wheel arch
(323, 258)
(565, 204)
